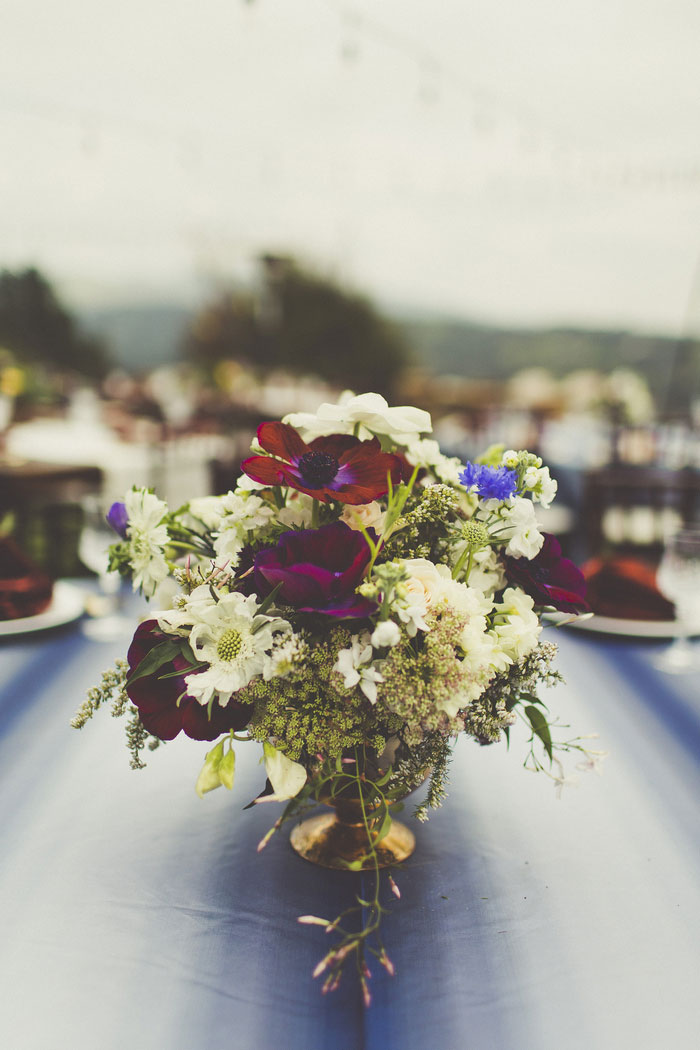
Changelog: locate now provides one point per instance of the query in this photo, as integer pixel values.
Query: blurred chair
(633, 509)
(44, 501)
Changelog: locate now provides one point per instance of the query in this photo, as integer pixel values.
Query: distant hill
(450, 347)
(139, 337)
(145, 336)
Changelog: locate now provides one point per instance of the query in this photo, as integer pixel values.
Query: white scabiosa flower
(233, 640)
(147, 536)
(355, 666)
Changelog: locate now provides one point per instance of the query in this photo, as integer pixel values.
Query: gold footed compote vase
(339, 838)
(359, 831)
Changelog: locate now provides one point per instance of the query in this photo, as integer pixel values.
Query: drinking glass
(107, 622)
(678, 579)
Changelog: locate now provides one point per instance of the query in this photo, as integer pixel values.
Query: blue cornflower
(489, 482)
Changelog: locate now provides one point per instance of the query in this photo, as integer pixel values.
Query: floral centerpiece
(355, 604)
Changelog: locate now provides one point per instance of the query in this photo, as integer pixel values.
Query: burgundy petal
(269, 471)
(281, 440)
(319, 570)
(335, 444)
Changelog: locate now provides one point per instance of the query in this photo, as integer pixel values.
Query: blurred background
(213, 215)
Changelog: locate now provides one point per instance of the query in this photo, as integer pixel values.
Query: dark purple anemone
(118, 519)
(319, 570)
(163, 709)
(549, 578)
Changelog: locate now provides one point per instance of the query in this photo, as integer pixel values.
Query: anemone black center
(317, 468)
(539, 573)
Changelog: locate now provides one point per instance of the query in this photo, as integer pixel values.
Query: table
(136, 915)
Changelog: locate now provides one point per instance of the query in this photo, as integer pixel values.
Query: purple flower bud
(118, 518)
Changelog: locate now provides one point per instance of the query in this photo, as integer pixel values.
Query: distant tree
(304, 323)
(36, 327)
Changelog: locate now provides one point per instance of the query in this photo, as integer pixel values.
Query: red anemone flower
(337, 467)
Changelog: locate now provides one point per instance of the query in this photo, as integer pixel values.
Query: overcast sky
(513, 162)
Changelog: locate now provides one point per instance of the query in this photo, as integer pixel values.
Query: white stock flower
(298, 511)
(354, 664)
(546, 488)
(518, 526)
(372, 412)
(147, 538)
(246, 484)
(232, 639)
(516, 625)
(367, 515)
(386, 635)
(243, 514)
(426, 453)
(487, 573)
(207, 510)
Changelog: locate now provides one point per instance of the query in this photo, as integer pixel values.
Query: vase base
(325, 841)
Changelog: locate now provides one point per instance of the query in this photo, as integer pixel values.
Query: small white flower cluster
(536, 479)
(231, 519)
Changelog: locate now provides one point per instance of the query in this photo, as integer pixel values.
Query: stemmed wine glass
(107, 622)
(678, 579)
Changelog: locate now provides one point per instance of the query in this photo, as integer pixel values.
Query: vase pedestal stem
(332, 842)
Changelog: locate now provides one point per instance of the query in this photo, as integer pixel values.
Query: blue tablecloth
(136, 915)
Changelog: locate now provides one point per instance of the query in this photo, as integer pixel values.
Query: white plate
(67, 604)
(612, 625)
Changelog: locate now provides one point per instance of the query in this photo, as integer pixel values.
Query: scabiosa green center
(318, 468)
(476, 535)
(229, 645)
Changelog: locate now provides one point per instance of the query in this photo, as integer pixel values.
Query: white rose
(424, 581)
(367, 515)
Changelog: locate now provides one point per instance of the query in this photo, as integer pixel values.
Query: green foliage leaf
(540, 727)
(158, 656)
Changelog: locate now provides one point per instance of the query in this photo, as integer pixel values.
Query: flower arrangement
(354, 604)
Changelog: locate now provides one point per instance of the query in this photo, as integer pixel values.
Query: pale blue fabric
(136, 915)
